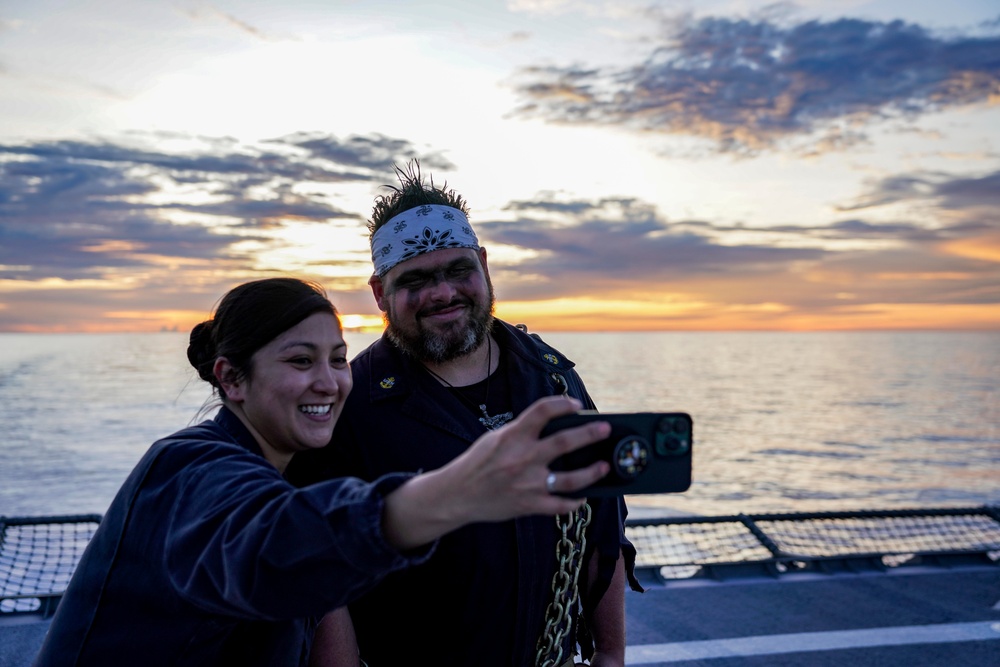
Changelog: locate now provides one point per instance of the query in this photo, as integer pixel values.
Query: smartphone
(649, 452)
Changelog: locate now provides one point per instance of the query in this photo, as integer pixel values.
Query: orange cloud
(985, 248)
(617, 316)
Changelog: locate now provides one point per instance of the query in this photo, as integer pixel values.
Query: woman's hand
(504, 474)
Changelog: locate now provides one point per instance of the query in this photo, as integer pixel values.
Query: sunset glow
(689, 166)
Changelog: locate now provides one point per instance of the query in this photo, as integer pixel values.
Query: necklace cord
(458, 390)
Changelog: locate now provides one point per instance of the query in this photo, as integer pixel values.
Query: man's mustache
(426, 312)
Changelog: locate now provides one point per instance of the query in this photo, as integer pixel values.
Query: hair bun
(201, 350)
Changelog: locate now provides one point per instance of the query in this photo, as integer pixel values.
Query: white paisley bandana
(419, 230)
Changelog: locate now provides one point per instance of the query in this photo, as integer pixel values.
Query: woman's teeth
(315, 409)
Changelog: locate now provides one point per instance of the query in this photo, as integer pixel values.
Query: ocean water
(784, 422)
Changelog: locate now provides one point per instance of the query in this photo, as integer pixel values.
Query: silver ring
(550, 482)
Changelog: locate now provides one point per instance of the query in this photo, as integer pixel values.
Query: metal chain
(565, 586)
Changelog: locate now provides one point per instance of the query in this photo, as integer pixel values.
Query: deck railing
(37, 558)
(720, 547)
(39, 554)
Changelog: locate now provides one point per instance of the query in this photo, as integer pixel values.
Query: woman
(207, 556)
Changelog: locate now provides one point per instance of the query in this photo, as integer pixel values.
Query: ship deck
(881, 588)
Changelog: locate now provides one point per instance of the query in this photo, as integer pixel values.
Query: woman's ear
(232, 387)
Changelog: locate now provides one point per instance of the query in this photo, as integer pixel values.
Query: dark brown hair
(249, 317)
(412, 192)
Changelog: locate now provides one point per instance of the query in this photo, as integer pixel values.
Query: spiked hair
(412, 192)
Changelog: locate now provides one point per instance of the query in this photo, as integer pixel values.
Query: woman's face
(297, 387)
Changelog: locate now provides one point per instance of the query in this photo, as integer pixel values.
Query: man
(444, 371)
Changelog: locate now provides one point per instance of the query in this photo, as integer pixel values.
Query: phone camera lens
(671, 444)
(672, 437)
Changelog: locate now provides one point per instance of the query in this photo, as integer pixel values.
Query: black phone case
(649, 452)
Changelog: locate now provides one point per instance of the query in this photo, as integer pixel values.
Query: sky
(710, 165)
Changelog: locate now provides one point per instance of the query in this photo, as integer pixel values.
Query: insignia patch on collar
(552, 359)
(387, 383)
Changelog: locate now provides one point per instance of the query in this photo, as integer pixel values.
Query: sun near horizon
(606, 317)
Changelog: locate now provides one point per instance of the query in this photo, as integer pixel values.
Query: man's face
(439, 305)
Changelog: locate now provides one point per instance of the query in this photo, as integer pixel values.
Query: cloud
(209, 12)
(71, 210)
(370, 152)
(750, 86)
(945, 190)
(243, 26)
(110, 232)
(592, 247)
(621, 248)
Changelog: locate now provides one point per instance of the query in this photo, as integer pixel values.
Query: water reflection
(813, 421)
(783, 421)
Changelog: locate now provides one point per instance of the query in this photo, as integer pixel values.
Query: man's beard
(445, 345)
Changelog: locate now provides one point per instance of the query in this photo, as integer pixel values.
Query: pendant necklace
(491, 423)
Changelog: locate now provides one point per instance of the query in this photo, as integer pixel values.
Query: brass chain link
(565, 586)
